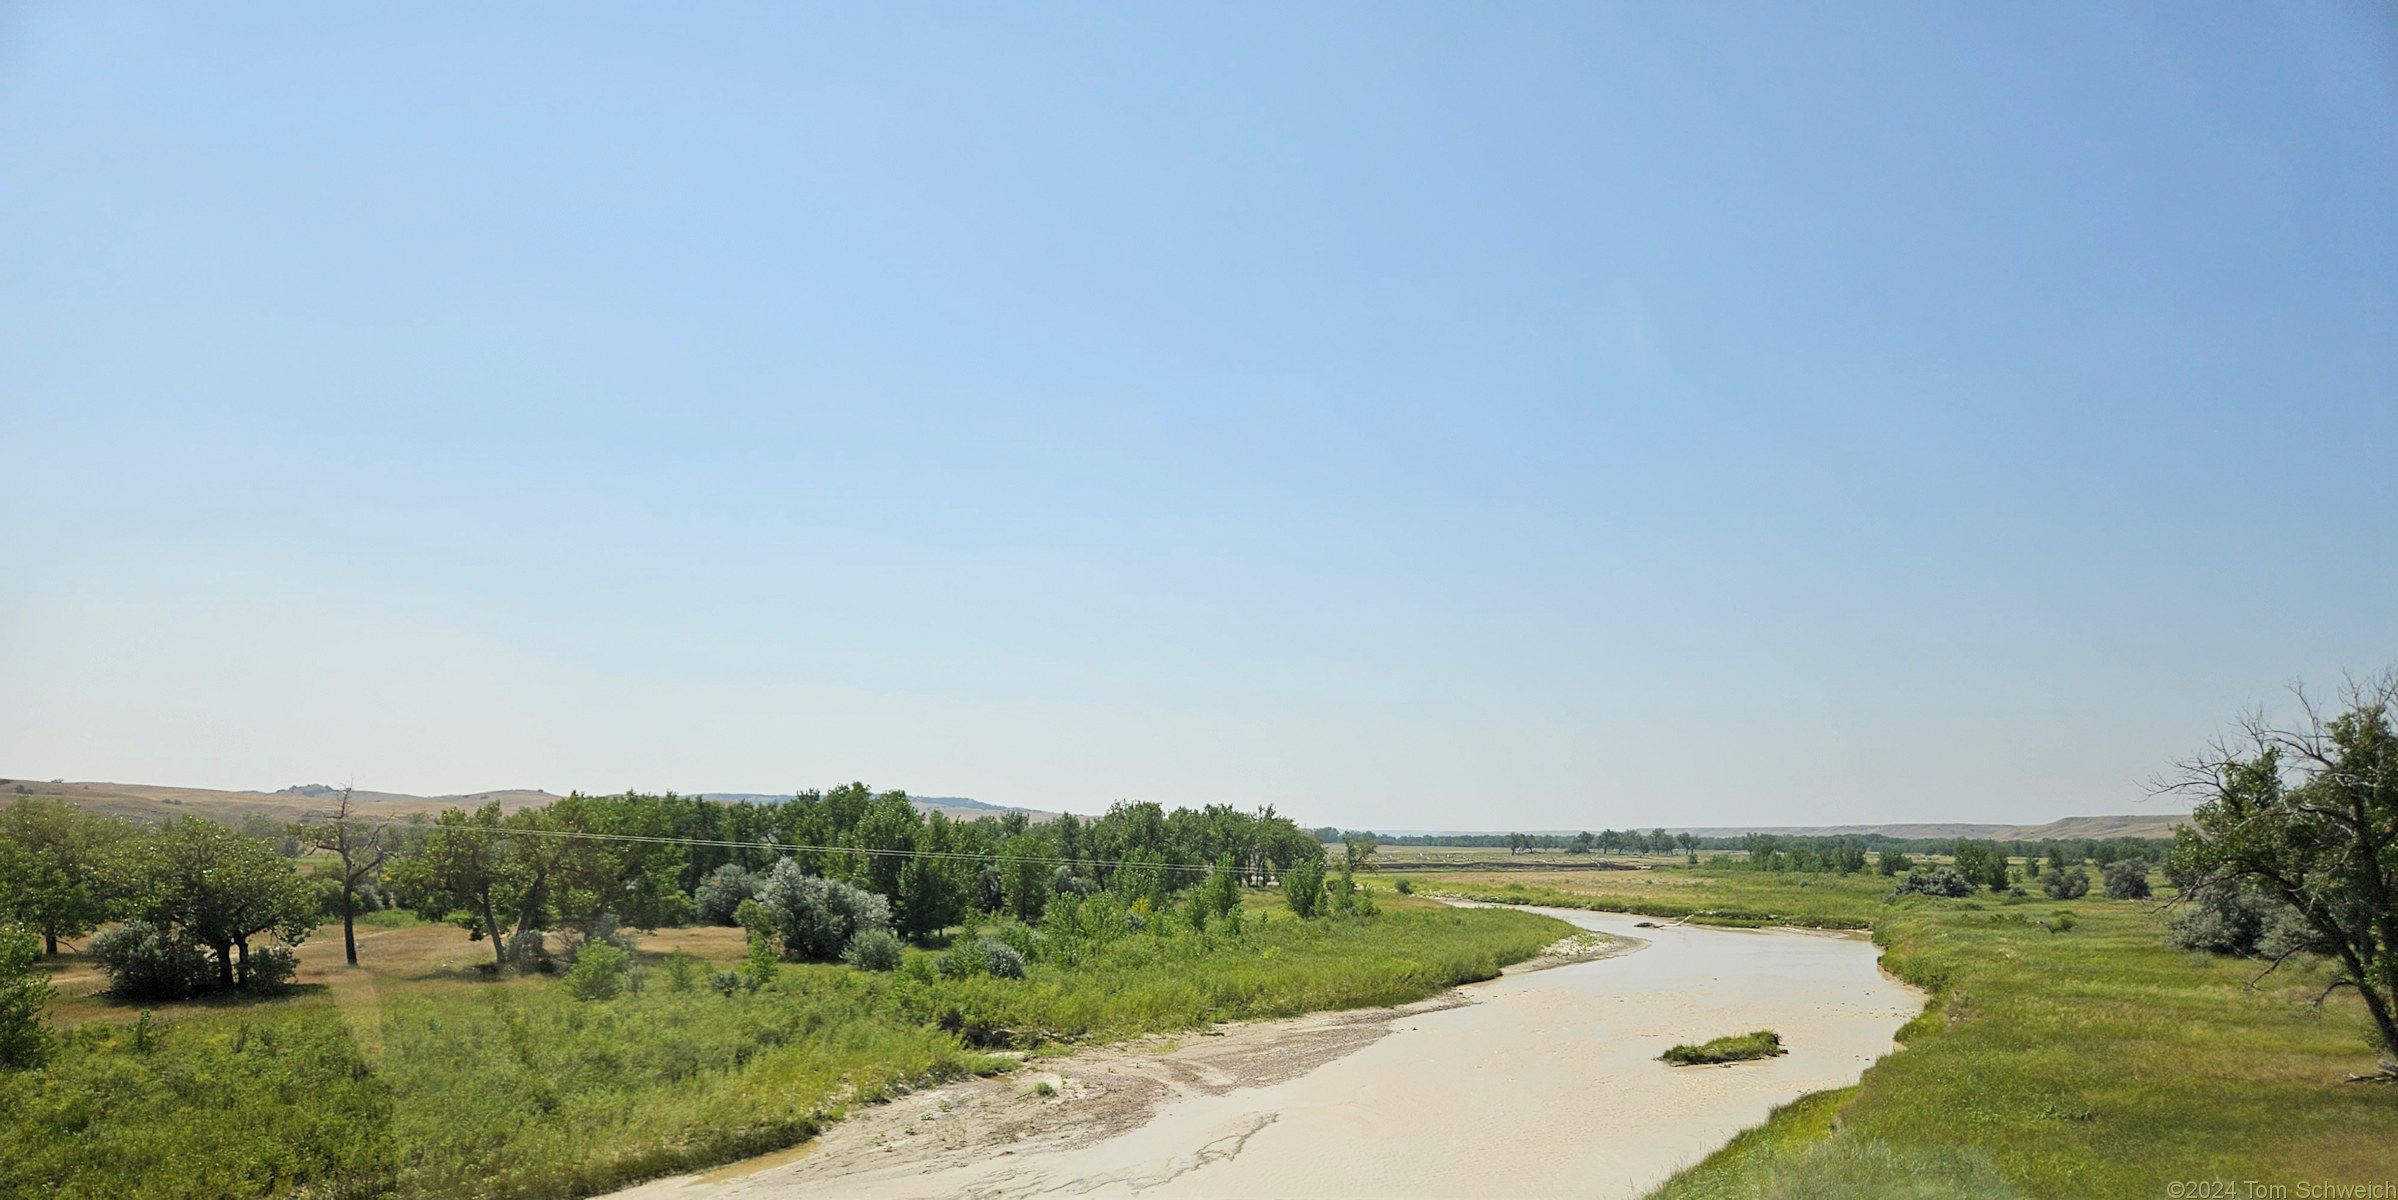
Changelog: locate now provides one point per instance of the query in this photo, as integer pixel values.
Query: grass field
(411, 1076)
(2092, 1062)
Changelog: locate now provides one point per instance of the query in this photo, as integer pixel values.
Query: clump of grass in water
(1764, 1043)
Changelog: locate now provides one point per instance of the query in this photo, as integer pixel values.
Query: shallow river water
(1547, 1084)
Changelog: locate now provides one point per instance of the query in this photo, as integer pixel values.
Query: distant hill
(155, 802)
(956, 808)
(152, 802)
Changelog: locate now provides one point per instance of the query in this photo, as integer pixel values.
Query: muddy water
(1547, 1084)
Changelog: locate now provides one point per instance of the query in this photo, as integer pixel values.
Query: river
(1544, 1083)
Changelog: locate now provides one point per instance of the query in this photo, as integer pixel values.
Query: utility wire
(784, 846)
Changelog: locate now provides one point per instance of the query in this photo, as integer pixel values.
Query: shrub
(604, 928)
(2071, 884)
(1938, 881)
(598, 973)
(1763, 1043)
(1001, 960)
(1019, 937)
(144, 961)
(966, 959)
(2127, 879)
(529, 951)
(1406, 888)
(682, 971)
(2239, 919)
(24, 993)
(720, 895)
(874, 950)
(271, 970)
(728, 981)
(2063, 920)
(1303, 887)
(817, 916)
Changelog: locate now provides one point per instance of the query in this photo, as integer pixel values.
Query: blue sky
(1469, 416)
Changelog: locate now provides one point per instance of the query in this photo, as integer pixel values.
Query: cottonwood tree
(361, 848)
(2310, 815)
(463, 872)
(221, 889)
(54, 867)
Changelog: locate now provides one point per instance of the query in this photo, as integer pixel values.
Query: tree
(1690, 845)
(934, 885)
(1303, 887)
(359, 846)
(817, 917)
(1024, 874)
(2126, 879)
(461, 873)
(2310, 815)
(54, 867)
(24, 993)
(2072, 884)
(221, 889)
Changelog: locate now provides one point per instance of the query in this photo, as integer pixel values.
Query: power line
(786, 846)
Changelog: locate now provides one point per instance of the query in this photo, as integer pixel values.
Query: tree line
(191, 900)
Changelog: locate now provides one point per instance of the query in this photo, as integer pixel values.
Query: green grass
(1736, 898)
(1744, 1047)
(2057, 1062)
(420, 1084)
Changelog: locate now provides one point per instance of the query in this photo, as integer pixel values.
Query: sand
(1539, 1083)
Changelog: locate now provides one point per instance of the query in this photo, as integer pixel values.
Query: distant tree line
(1816, 853)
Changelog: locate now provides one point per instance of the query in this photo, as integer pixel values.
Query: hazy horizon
(1576, 416)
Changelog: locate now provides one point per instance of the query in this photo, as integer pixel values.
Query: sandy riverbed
(1540, 1083)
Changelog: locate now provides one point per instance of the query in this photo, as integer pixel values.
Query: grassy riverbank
(2055, 1059)
(412, 1078)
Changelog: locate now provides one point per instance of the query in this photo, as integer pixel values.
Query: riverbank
(2057, 1058)
(416, 1076)
(1543, 1082)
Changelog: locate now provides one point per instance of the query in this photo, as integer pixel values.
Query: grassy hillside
(152, 802)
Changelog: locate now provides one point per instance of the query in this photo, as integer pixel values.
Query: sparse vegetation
(1746, 1047)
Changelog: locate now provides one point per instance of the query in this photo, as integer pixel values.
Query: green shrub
(682, 971)
(144, 961)
(2127, 879)
(1002, 960)
(1763, 1043)
(598, 973)
(1938, 881)
(1303, 887)
(816, 917)
(2070, 884)
(24, 992)
(874, 950)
